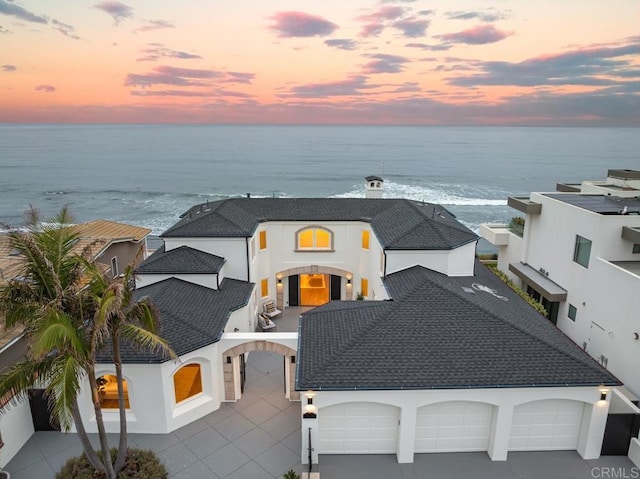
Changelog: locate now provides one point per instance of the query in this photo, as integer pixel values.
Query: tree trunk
(122, 446)
(84, 438)
(102, 434)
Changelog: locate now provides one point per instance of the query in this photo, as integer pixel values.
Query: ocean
(148, 175)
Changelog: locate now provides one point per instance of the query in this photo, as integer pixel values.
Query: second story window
(314, 238)
(263, 240)
(365, 239)
(582, 251)
(114, 266)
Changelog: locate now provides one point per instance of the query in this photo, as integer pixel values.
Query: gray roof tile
(397, 223)
(183, 260)
(433, 334)
(191, 316)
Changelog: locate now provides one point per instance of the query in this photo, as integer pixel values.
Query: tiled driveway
(259, 438)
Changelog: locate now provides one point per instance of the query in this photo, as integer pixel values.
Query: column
(406, 434)
(500, 432)
(594, 420)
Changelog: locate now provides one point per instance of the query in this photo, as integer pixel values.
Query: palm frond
(21, 377)
(146, 340)
(57, 331)
(63, 388)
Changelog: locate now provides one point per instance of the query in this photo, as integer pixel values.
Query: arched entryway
(233, 368)
(312, 285)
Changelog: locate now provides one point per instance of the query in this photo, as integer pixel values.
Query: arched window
(314, 238)
(108, 392)
(187, 382)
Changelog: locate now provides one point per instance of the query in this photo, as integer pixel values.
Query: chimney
(373, 186)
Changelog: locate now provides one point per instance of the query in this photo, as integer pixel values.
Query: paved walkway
(259, 438)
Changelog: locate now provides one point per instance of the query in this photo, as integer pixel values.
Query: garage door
(358, 428)
(546, 425)
(453, 426)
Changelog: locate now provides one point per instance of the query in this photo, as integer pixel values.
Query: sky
(406, 62)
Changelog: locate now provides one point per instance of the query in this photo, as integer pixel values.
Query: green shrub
(140, 464)
(505, 279)
(291, 474)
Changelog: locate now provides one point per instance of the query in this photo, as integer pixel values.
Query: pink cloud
(383, 63)
(300, 24)
(118, 11)
(412, 27)
(376, 21)
(383, 13)
(478, 35)
(154, 25)
(45, 88)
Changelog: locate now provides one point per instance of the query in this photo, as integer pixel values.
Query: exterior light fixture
(348, 280)
(603, 393)
(279, 280)
(310, 410)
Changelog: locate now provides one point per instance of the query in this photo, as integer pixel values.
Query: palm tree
(118, 316)
(47, 299)
(67, 322)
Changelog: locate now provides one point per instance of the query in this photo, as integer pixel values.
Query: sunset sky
(520, 62)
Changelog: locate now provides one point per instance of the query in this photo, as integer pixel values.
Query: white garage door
(358, 428)
(546, 425)
(453, 426)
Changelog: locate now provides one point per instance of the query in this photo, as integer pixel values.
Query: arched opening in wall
(108, 391)
(187, 382)
(262, 368)
(309, 286)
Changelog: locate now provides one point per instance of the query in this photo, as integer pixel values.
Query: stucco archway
(312, 269)
(231, 367)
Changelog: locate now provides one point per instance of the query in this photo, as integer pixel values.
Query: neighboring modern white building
(579, 255)
(439, 355)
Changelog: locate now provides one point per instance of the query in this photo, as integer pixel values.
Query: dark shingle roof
(397, 223)
(191, 316)
(184, 260)
(434, 334)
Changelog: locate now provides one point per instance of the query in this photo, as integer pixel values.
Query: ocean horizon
(149, 174)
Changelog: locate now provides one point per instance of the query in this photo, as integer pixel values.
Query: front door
(294, 286)
(336, 287)
(314, 289)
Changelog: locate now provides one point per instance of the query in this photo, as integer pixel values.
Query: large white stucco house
(438, 355)
(579, 255)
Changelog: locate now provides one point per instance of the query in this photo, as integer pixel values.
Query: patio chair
(265, 324)
(269, 308)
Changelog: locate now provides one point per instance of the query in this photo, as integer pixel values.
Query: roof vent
(468, 290)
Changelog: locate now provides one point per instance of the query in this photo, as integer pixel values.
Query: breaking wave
(442, 194)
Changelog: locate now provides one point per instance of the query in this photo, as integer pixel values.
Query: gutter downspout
(246, 242)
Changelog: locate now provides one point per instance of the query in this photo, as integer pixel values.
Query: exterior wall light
(603, 393)
(310, 411)
(348, 280)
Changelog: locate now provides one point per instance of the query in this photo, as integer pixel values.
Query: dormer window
(315, 238)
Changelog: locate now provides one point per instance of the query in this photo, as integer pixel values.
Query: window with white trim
(114, 266)
(314, 238)
(187, 382)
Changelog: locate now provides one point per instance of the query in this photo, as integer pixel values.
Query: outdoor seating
(265, 323)
(269, 308)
